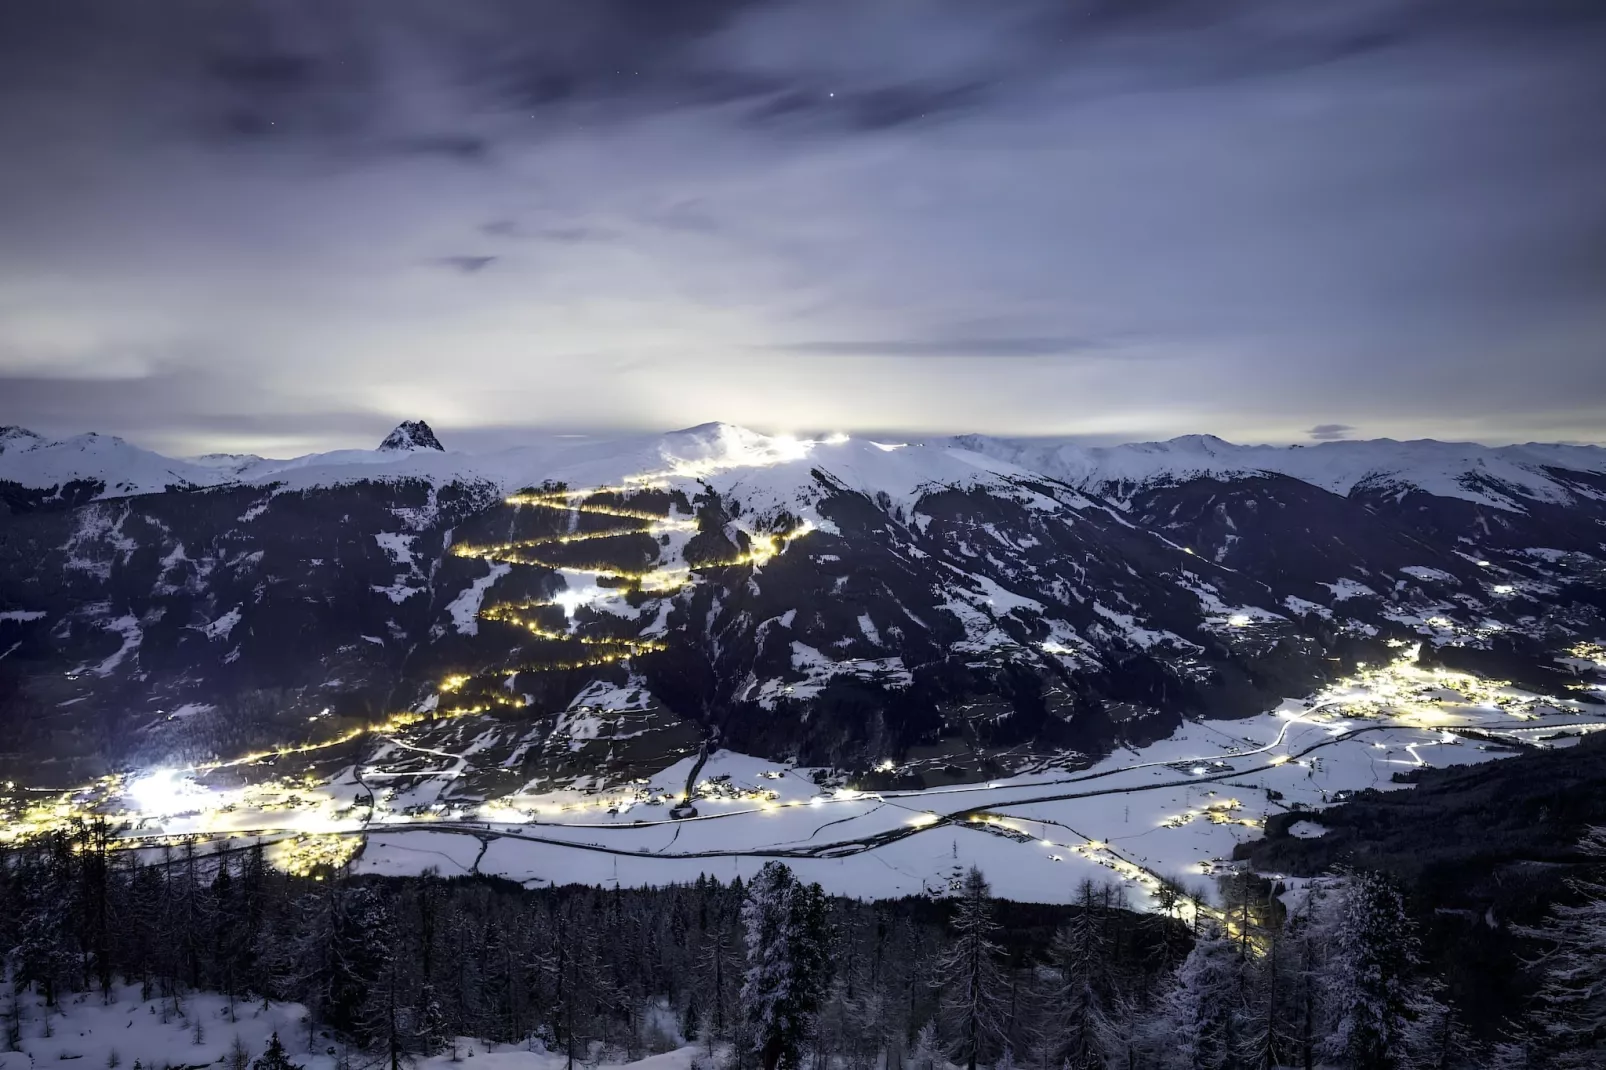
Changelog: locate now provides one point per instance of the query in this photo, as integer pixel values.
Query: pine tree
(1268, 1037)
(924, 1055)
(1082, 951)
(431, 1019)
(275, 1058)
(1369, 980)
(786, 978)
(1201, 1010)
(360, 954)
(47, 956)
(968, 975)
(1570, 1012)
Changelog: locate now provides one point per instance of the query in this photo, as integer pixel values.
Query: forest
(772, 974)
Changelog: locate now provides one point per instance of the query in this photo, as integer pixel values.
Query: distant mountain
(412, 435)
(967, 603)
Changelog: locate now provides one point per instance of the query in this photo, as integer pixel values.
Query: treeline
(773, 973)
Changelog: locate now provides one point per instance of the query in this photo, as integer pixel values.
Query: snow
(128, 628)
(87, 1032)
(399, 546)
(1302, 607)
(612, 698)
(867, 628)
(122, 467)
(772, 472)
(1431, 575)
(224, 625)
(1344, 590)
(21, 615)
(1449, 469)
(1307, 830)
(1177, 807)
(465, 608)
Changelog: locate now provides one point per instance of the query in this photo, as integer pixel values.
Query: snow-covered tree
(1267, 1035)
(1201, 1011)
(275, 1058)
(973, 987)
(925, 1053)
(787, 963)
(1369, 980)
(1082, 950)
(1570, 1012)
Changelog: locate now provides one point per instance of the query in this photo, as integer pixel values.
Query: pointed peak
(412, 435)
(19, 438)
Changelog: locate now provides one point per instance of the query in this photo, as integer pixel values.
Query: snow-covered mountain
(1500, 477)
(960, 599)
(1497, 476)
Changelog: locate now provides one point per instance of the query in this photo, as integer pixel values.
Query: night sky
(283, 226)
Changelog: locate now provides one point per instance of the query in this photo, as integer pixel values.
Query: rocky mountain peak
(412, 435)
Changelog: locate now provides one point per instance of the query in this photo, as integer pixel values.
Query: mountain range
(963, 605)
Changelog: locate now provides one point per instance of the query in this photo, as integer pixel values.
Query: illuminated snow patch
(162, 792)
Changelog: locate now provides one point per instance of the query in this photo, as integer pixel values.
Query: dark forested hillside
(1349, 972)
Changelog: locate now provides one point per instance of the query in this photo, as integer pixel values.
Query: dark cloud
(468, 265)
(1329, 432)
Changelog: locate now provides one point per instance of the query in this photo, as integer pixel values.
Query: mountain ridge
(829, 599)
(1491, 475)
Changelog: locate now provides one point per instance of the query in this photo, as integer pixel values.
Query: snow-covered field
(87, 1032)
(1173, 810)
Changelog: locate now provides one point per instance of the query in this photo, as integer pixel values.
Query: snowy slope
(727, 456)
(33, 461)
(1494, 476)
(772, 471)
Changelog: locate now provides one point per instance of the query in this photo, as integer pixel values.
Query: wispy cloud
(468, 265)
(952, 347)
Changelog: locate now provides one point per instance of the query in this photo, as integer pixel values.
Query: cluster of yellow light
(1589, 652)
(761, 548)
(512, 613)
(1405, 689)
(304, 855)
(721, 791)
(395, 722)
(1102, 854)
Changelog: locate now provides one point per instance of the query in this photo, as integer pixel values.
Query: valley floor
(1170, 812)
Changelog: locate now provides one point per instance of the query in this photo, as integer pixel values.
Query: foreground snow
(88, 1033)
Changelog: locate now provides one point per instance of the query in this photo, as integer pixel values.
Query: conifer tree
(1570, 1012)
(1370, 975)
(1202, 1008)
(785, 928)
(1082, 951)
(968, 975)
(275, 1058)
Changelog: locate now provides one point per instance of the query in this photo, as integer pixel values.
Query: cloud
(469, 265)
(1274, 209)
(1329, 432)
(952, 347)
